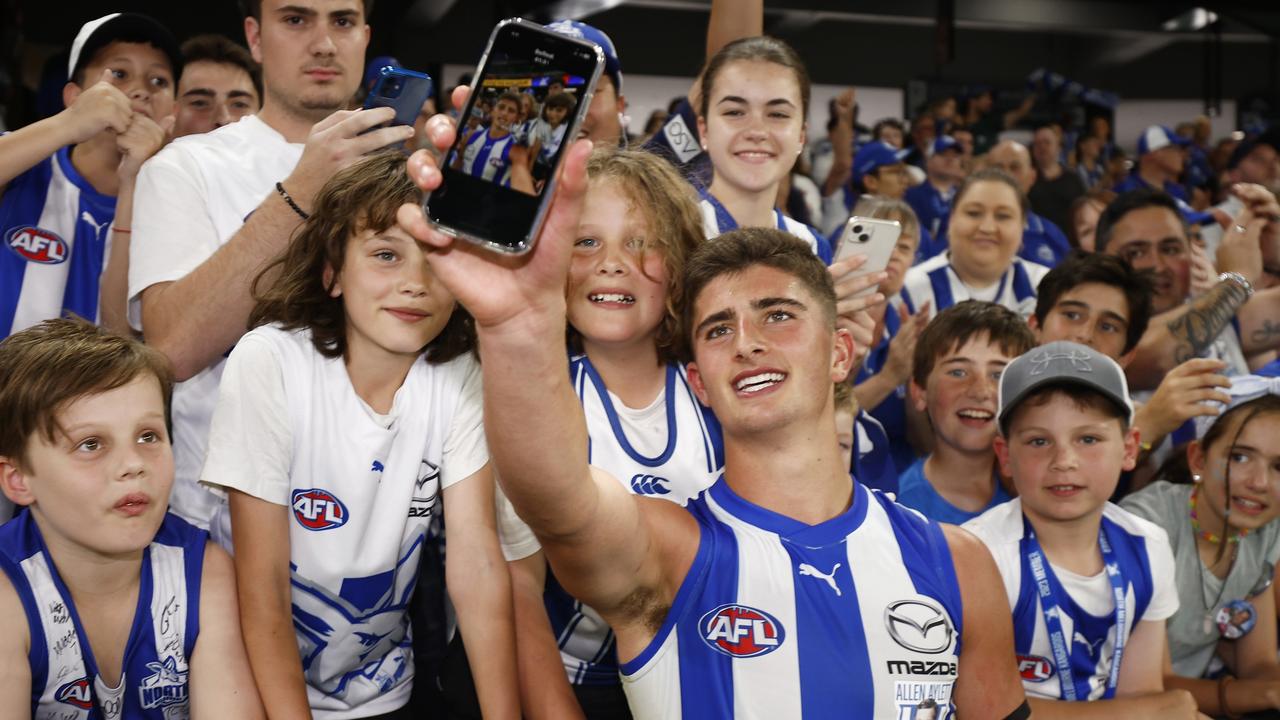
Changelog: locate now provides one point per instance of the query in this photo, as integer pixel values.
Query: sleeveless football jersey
(487, 158)
(361, 495)
(856, 617)
(56, 229)
(934, 281)
(717, 220)
(1086, 608)
(64, 674)
(689, 462)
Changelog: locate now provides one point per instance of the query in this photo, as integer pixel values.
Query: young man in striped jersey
(785, 589)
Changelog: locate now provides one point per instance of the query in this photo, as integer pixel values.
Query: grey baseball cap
(1061, 363)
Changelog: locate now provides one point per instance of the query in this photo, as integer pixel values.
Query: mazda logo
(918, 625)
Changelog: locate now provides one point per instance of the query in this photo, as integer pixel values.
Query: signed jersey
(65, 684)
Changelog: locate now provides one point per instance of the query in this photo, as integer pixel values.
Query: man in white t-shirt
(213, 210)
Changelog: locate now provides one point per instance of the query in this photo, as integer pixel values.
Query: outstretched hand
(501, 289)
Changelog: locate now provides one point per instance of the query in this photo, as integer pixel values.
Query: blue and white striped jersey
(65, 684)
(856, 617)
(717, 220)
(677, 470)
(488, 158)
(1087, 613)
(935, 281)
(55, 226)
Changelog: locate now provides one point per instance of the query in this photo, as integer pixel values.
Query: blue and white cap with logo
(1061, 363)
(583, 31)
(1156, 137)
(875, 155)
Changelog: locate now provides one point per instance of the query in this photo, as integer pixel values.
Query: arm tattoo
(1208, 316)
(1268, 334)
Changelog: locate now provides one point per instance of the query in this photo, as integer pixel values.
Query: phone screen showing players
(522, 114)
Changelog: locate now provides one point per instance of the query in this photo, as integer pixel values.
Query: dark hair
(1127, 203)
(760, 48)
(49, 365)
(1083, 397)
(654, 188)
(737, 250)
(887, 123)
(958, 324)
(253, 9)
(292, 290)
(219, 49)
(992, 174)
(564, 100)
(1101, 197)
(1079, 268)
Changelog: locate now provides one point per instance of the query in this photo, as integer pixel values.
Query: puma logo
(829, 578)
(97, 226)
(1093, 646)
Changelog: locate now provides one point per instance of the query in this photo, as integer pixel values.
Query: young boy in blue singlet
(109, 606)
(1090, 584)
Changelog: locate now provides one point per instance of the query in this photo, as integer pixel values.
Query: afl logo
(741, 631)
(1034, 668)
(317, 509)
(75, 693)
(918, 625)
(37, 245)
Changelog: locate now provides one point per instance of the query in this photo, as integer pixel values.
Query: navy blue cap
(875, 155)
(583, 31)
(944, 143)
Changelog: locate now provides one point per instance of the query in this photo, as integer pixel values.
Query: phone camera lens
(857, 229)
(864, 237)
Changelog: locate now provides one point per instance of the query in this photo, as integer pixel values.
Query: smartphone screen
(490, 194)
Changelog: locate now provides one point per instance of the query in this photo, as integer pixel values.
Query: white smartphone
(872, 237)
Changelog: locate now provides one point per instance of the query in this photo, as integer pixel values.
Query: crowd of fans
(244, 383)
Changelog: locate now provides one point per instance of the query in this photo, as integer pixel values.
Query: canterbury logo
(649, 485)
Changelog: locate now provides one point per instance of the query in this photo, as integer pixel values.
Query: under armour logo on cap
(1042, 360)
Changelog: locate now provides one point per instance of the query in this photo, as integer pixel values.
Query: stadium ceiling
(1116, 45)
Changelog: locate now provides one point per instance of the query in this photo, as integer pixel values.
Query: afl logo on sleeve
(1034, 668)
(741, 631)
(317, 509)
(37, 245)
(918, 625)
(76, 694)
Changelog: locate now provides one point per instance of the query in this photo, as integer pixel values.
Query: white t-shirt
(190, 199)
(361, 488)
(1145, 559)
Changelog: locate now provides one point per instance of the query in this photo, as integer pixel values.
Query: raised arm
(594, 532)
(102, 106)
(196, 318)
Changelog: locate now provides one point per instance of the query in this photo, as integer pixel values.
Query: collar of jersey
(812, 536)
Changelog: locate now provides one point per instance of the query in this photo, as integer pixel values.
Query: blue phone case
(403, 90)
